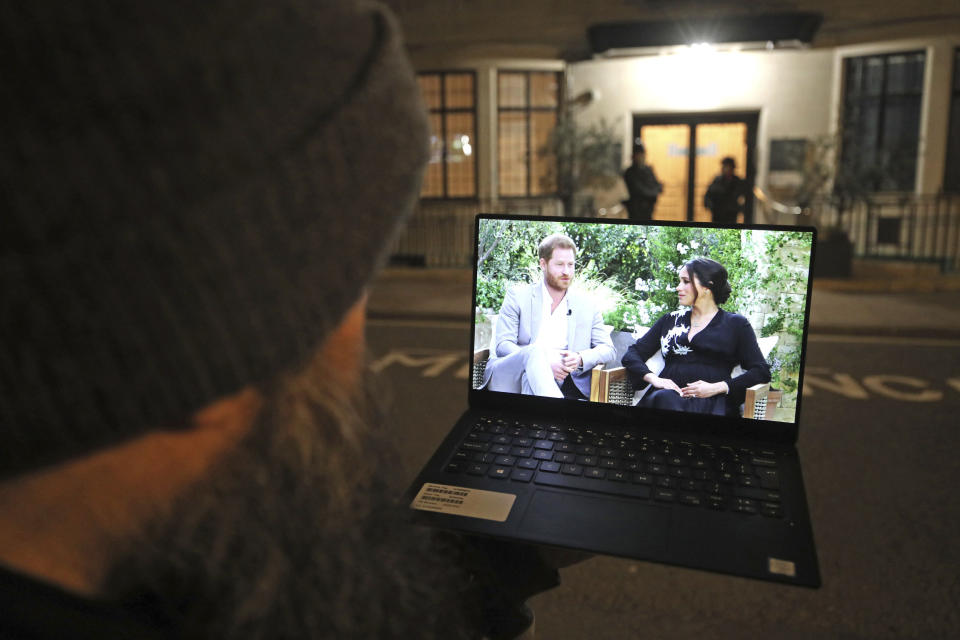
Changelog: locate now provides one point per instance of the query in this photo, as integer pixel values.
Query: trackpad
(598, 523)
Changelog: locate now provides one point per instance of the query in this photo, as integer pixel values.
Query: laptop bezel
(640, 417)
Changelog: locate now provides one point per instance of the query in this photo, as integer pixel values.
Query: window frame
(527, 109)
(951, 160)
(884, 100)
(443, 111)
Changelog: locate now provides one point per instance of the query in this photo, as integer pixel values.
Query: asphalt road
(879, 445)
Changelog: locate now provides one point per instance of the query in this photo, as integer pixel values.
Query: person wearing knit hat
(193, 202)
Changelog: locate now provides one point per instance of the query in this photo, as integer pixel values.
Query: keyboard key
(505, 461)
(595, 472)
(477, 469)
(485, 458)
(565, 458)
(455, 467)
(608, 463)
(523, 442)
(499, 472)
(461, 455)
(618, 476)
(756, 494)
(586, 450)
(665, 481)
(587, 461)
(747, 481)
(762, 462)
(543, 444)
(690, 499)
(643, 478)
(522, 475)
(771, 510)
(664, 495)
(579, 482)
(571, 469)
(565, 447)
(769, 479)
(474, 446)
(528, 463)
(504, 439)
(550, 467)
(521, 452)
(500, 449)
(716, 503)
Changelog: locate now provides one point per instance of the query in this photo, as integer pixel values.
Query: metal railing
(922, 227)
(440, 233)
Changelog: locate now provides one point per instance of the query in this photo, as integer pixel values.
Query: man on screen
(548, 338)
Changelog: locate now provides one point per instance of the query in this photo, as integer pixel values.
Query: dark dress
(726, 341)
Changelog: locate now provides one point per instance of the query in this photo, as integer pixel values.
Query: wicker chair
(479, 366)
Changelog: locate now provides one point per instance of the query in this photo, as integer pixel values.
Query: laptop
(607, 465)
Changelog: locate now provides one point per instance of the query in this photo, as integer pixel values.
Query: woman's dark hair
(712, 275)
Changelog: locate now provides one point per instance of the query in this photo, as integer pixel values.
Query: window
(451, 99)
(527, 108)
(881, 121)
(951, 176)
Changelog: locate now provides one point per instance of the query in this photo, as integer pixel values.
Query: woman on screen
(700, 348)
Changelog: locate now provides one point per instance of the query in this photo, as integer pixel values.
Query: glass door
(685, 177)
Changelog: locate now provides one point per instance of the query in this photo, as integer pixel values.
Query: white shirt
(553, 326)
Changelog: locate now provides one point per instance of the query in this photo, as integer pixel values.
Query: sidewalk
(918, 306)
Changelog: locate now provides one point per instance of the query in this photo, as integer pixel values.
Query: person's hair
(552, 242)
(638, 147)
(729, 161)
(712, 275)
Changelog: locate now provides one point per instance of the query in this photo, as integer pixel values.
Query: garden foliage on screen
(630, 273)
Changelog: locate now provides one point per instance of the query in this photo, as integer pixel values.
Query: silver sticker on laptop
(782, 567)
(463, 501)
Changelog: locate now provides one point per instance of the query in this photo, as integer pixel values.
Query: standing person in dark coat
(727, 194)
(642, 185)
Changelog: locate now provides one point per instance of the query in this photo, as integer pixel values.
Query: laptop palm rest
(619, 527)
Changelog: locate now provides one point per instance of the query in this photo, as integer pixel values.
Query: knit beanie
(192, 195)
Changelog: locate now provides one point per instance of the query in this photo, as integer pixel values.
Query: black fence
(440, 234)
(896, 226)
(913, 227)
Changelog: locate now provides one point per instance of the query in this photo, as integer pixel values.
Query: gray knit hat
(192, 194)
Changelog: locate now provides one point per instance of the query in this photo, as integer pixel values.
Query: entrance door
(685, 177)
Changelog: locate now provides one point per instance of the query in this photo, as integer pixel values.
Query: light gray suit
(520, 366)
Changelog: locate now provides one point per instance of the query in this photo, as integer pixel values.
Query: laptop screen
(678, 317)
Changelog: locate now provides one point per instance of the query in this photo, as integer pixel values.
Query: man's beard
(295, 535)
(556, 283)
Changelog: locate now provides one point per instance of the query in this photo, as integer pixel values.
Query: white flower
(694, 244)
(682, 248)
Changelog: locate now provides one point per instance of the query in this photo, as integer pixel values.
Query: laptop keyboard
(622, 463)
